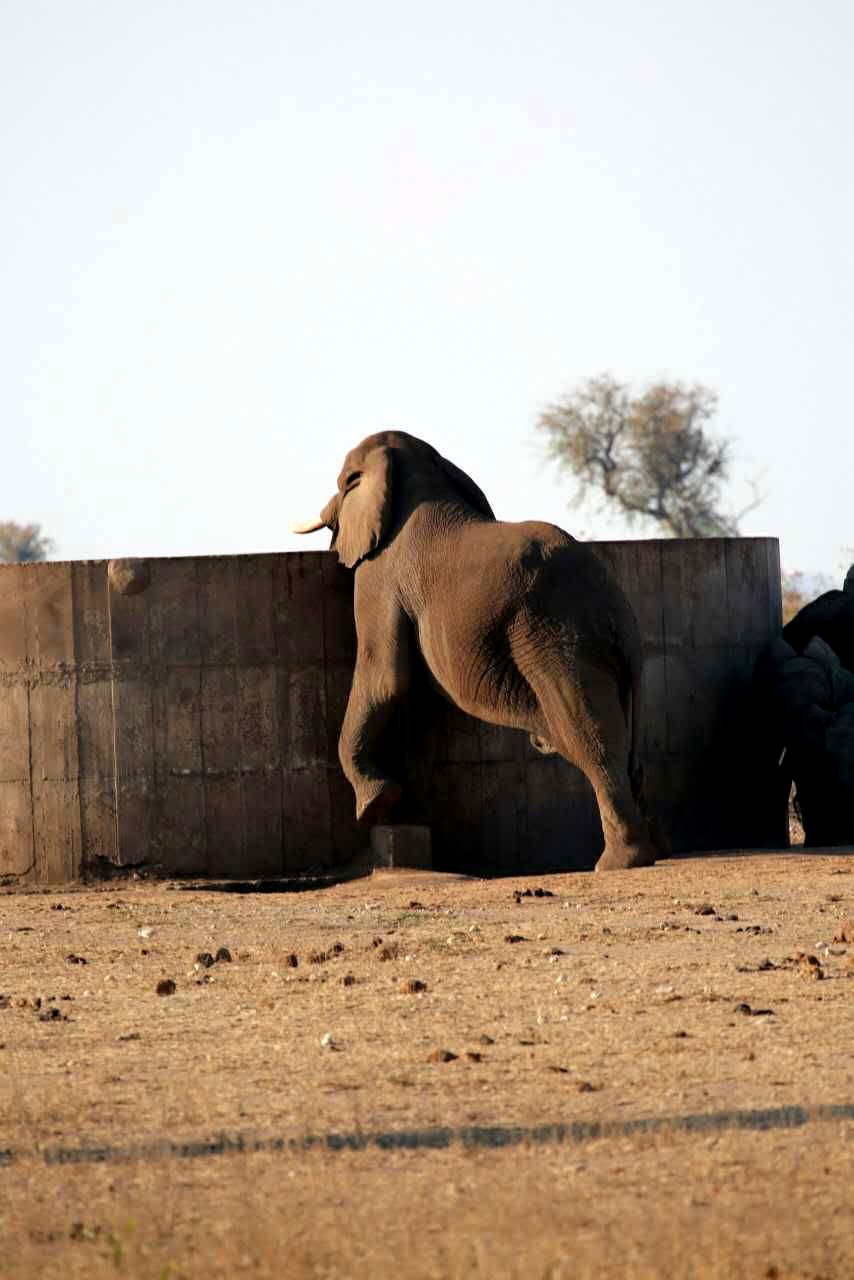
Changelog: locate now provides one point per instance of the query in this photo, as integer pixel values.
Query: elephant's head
(380, 482)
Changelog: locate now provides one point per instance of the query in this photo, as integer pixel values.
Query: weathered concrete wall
(194, 723)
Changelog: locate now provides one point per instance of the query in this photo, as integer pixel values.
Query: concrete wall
(189, 717)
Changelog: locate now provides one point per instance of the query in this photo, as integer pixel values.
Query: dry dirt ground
(650, 1076)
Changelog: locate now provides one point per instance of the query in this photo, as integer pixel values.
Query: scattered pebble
(292, 960)
(52, 1015)
(205, 960)
(223, 955)
(146, 931)
(809, 967)
(411, 986)
(166, 987)
(348, 980)
(514, 937)
(71, 958)
(705, 909)
(442, 1055)
(473, 1056)
(519, 894)
(327, 1041)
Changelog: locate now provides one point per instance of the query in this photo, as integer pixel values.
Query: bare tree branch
(22, 543)
(653, 454)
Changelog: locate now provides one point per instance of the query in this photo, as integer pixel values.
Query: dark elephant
(517, 624)
(807, 692)
(831, 618)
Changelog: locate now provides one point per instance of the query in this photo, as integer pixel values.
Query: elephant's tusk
(311, 526)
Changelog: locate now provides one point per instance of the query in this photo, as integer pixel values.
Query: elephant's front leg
(380, 682)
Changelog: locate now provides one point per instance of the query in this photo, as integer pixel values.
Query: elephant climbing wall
(185, 713)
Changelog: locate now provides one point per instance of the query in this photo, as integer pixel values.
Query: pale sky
(238, 236)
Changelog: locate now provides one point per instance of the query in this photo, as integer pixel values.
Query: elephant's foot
(375, 797)
(621, 857)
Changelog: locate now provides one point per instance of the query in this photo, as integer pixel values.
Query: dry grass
(638, 1016)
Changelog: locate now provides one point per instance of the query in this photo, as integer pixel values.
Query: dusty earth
(642, 1074)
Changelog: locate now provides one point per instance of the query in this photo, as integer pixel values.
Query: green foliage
(22, 543)
(653, 454)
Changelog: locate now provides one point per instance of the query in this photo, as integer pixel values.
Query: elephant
(517, 624)
(808, 701)
(831, 617)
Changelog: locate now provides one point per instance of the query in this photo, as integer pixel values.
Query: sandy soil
(650, 1076)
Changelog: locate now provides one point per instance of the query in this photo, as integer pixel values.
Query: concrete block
(401, 846)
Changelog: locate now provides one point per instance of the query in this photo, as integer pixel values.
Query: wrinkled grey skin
(518, 625)
(808, 695)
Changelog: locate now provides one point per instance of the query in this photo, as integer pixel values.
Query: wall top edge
(41, 565)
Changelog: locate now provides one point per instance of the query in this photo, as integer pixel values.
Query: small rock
(584, 1086)
(318, 957)
(472, 1056)
(130, 1035)
(514, 937)
(146, 931)
(519, 894)
(223, 955)
(71, 958)
(705, 909)
(205, 960)
(292, 960)
(52, 1015)
(327, 1041)
(348, 980)
(743, 1008)
(844, 931)
(809, 967)
(416, 906)
(442, 1055)
(166, 987)
(485, 1039)
(412, 985)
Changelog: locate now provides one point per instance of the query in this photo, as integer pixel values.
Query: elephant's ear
(467, 488)
(365, 511)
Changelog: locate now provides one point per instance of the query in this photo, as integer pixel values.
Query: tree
(652, 454)
(22, 543)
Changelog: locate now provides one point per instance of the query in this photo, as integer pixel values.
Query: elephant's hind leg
(587, 725)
